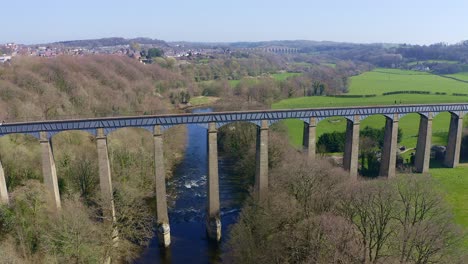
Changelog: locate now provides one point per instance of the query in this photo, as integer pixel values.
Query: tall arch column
(105, 178)
(388, 158)
(452, 154)
(261, 158)
(308, 139)
(423, 146)
(213, 220)
(351, 150)
(3, 187)
(49, 171)
(162, 218)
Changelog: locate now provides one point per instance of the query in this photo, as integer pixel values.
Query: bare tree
(370, 206)
(427, 233)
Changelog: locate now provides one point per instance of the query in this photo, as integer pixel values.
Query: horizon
(231, 42)
(363, 21)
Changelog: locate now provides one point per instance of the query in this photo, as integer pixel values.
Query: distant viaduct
(101, 127)
(278, 50)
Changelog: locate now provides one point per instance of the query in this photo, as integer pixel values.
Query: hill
(103, 42)
(39, 88)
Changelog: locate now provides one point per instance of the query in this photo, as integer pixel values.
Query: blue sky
(363, 21)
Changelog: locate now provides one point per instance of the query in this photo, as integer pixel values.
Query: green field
(388, 80)
(462, 76)
(433, 61)
(453, 181)
(202, 100)
(284, 75)
(234, 83)
(277, 76)
(408, 123)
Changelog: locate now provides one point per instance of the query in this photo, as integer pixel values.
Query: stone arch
(441, 124)
(20, 155)
(330, 125)
(257, 123)
(143, 130)
(297, 131)
(448, 132)
(244, 126)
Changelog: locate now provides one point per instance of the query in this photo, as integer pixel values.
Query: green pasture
(284, 75)
(277, 76)
(462, 76)
(409, 125)
(234, 83)
(325, 101)
(454, 182)
(302, 64)
(387, 80)
(381, 80)
(202, 100)
(432, 61)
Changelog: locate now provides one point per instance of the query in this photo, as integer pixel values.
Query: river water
(188, 201)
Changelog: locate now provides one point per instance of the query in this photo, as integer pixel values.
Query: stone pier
(213, 219)
(49, 171)
(423, 146)
(452, 154)
(162, 218)
(261, 161)
(3, 188)
(351, 150)
(389, 151)
(105, 180)
(308, 140)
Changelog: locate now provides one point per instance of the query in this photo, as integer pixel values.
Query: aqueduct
(101, 127)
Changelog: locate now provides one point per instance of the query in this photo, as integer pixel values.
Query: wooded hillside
(38, 88)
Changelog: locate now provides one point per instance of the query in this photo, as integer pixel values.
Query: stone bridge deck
(221, 118)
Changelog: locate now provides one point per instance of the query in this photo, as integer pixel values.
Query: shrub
(407, 92)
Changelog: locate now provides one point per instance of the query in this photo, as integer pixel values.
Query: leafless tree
(370, 207)
(427, 233)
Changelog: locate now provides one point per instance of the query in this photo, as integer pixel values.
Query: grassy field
(377, 82)
(277, 76)
(433, 61)
(453, 181)
(284, 75)
(462, 76)
(203, 100)
(408, 123)
(388, 80)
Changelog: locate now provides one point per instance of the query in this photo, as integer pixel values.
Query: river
(188, 201)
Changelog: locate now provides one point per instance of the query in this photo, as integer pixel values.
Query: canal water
(188, 201)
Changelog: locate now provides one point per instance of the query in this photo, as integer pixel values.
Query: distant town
(10, 50)
(134, 48)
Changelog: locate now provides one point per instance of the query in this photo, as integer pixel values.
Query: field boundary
(452, 78)
(394, 73)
